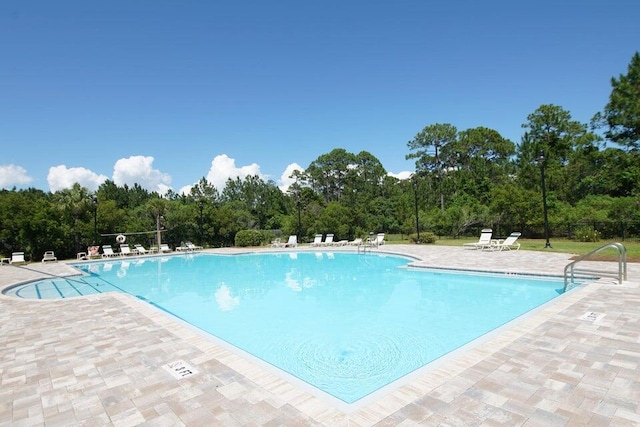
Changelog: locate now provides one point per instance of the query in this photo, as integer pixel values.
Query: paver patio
(100, 360)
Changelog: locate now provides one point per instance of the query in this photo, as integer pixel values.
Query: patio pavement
(101, 360)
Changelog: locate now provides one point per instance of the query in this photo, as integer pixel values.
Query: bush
(426, 237)
(246, 238)
(586, 234)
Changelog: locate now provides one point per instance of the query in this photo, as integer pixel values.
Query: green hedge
(425, 237)
(246, 238)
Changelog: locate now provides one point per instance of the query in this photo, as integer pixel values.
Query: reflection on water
(225, 300)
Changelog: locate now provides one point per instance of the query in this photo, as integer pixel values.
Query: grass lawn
(557, 245)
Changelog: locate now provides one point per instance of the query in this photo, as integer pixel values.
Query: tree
(76, 203)
(481, 159)
(429, 161)
(551, 131)
(328, 173)
(427, 142)
(622, 113)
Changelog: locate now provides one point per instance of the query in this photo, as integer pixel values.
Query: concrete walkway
(104, 360)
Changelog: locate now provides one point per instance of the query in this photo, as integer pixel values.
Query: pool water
(345, 323)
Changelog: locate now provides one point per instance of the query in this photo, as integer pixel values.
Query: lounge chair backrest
(329, 238)
(485, 236)
(17, 257)
(380, 239)
(293, 240)
(317, 239)
(511, 239)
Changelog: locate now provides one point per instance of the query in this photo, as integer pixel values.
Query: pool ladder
(571, 269)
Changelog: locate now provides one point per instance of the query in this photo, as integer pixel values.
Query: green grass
(557, 245)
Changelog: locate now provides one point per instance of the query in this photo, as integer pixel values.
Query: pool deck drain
(98, 360)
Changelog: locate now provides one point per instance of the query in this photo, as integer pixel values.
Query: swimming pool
(345, 323)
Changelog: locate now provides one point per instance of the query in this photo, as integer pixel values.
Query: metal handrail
(621, 275)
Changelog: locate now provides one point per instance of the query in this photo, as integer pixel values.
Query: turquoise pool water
(345, 323)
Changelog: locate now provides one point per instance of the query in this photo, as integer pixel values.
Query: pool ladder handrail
(570, 270)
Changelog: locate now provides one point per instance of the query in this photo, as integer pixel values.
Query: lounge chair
(107, 251)
(49, 256)
(275, 243)
(193, 247)
(356, 242)
(317, 240)
(376, 241)
(17, 258)
(188, 247)
(508, 244)
(139, 249)
(328, 241)
(483, 242)
(125, 249)
(292, 242)
(164, 248)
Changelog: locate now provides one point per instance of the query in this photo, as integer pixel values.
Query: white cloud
(60, 177)
(186, 190)
(139, 170)
(12, 175)
(223, 167)
(285, 180)
(401, 175)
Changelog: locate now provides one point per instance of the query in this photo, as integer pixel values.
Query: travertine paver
(99, 360)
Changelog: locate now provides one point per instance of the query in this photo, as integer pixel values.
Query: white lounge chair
(49, 256)
(508, 244)
(275, 243)
(139, 249)
(356, 242)
(164, 248)
(483, 242)
(317, 240)
(107, 251)
(125, 249)
(193, 247)
(292, 242)
(328, 241)
(376, 241)
(188, 247)
(17, 258)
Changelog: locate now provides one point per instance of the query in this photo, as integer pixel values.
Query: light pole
(299, 206)
(541, 161)
(201, 221)
(439, 175)
(95, 219)
(414, 180)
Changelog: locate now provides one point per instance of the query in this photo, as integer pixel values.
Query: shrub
(426, 237)
(586, 234)
(246, 238)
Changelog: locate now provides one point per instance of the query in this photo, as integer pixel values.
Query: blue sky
(165, 92)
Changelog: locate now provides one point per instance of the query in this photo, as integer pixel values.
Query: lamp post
(414, 180)
(299, 206)
(95, 219)
(541, 160)
(201, 220)
(439, 175)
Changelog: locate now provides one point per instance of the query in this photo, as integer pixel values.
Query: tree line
(464, 180)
